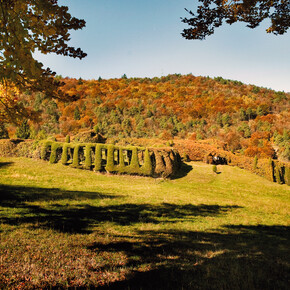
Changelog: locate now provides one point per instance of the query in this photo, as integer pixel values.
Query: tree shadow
(83, 217)
(237, 257)
(182, 171)
(5, 164)
(16, 196)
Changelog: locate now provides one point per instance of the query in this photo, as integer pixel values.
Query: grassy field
(63, 227)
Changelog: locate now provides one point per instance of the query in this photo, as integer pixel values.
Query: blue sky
(142, 39)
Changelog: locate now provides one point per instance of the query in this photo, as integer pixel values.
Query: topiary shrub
(88, 156)
(147, 169)
(76, 158)
(168, 165)
(98, 157)
(110, 167)
(278, 174)
(64, 156)
(287, 175)
(54, 152)
(67, 139)
(121, 166)
(134, 167)
(159, 166)
(45, 150)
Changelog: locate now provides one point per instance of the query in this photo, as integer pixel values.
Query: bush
(121, 167)
(76, 158)
(7, 148)
(67, 139)
(23, 131)
(45, 150)
(278, 174)
(110, 167)
(287, 175)
(147, 169)
(64, 156)
(98, 157)
(134, 166)
(3, 132)
(54, 155)
(88, 156)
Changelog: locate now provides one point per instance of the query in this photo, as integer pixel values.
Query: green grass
(64, 227)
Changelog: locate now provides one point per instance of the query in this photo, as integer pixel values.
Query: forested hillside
(247, 119)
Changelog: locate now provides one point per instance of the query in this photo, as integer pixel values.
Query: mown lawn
(63, 227)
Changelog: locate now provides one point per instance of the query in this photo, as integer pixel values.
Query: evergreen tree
(23, 131)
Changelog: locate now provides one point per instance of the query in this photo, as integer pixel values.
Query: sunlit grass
(65, 227)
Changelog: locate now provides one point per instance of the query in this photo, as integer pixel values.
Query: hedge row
(111, 158)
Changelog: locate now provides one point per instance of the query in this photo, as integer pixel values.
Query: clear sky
(141, 38)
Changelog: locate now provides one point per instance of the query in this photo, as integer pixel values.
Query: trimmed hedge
(54, 152)
(64, 156)
(154, 163)
(110, 166)
(46, 146)
(98, 157)
(76, 158)
(88, 156)
(147, 168)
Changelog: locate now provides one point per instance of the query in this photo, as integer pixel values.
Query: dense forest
(246, 119)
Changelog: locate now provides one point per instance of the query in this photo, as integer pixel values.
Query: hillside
(250, 120)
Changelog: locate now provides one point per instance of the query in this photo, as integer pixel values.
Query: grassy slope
(66, 227)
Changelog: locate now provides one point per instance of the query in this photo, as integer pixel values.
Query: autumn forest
(246, 119)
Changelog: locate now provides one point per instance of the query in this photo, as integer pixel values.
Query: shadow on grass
(183, 171)
(239, 257)
(5, 164)
(16, 196)
(80, 218)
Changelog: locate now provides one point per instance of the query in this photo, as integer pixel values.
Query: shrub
(287, 175)
(121, 166)
(278, 174)
(147, 169)
(159, 163)
(110, 167)
(88, 156)
(214, 168)
(7, 148)
(54, 152)
(67, 139)
(3, 132)
(23, 131)
(45, 150)
(64, 156)
(76, 158)
(98, 157)
(134, 164)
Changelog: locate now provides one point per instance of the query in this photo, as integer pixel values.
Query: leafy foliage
(211, 14)
(27, 26)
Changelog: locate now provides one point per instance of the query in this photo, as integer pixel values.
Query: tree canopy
(212, 14)
(27, 26)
